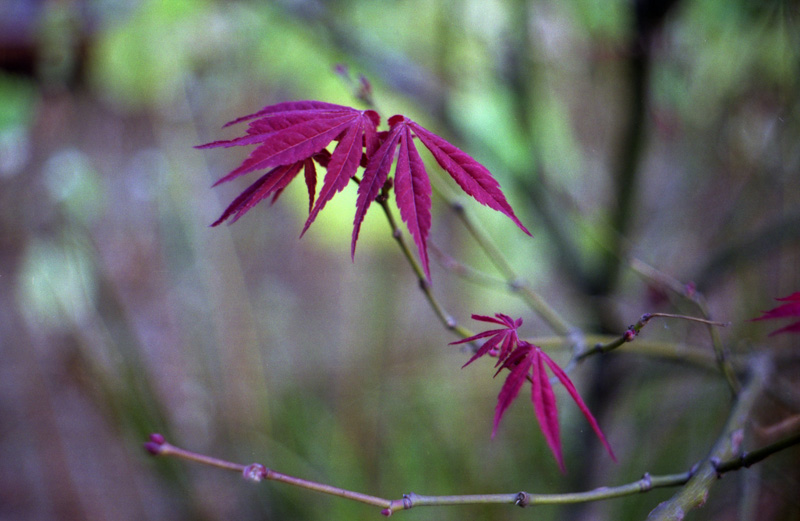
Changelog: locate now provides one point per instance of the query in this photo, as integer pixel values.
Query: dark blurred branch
(520, 72)
(626, 173)
(402, 74)
(648, 18)
(760, 244)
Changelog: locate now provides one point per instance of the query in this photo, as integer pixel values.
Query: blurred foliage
(122, 313)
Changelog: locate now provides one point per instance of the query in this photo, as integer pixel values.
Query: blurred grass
(122, 313)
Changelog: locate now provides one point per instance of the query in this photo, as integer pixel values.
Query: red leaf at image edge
(790, 309)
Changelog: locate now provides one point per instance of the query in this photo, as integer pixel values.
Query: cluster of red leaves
(526, 361)
(790, 309)
(292, 136)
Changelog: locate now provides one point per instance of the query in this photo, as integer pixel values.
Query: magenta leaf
(790, 309)
(342, 166)
(506, 335)
(526, 361)
(292, 144)
(791, 328)
(545, 408)
(413, 194)
(510, 389)
(474, 178)
(497, 336)
(286, 179)
(373, 179)
(289, 107)
(310, 175)
(262, 188)
(567, 383)
(293, 135)
(263, 129)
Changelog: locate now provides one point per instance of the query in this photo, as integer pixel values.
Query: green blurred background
(663, 131)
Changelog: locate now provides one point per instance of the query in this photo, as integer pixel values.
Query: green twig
(444, 317)
(257, 472)
(750, 458)
(535, 301)
(467, 273)
(693, 355)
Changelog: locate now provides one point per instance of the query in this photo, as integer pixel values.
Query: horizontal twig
(257, 472)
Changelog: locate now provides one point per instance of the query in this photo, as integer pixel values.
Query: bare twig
(708, 471)
(689, 292)
(635, 329)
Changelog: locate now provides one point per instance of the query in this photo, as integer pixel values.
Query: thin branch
(257, 472)
(689, 292)
(747, 459)
(467, 273)
(678, 352)
(535, 301)
(630, 334)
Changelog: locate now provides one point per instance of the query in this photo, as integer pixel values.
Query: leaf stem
(444, 317)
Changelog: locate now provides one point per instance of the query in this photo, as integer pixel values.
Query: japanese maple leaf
(293, 136)
(790, 309)
(526, 361)
(506, 337)
(412, 186)
(288, 135)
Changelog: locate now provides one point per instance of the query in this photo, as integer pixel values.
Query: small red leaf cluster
(293, 136)
(790, 309)
(526, 361)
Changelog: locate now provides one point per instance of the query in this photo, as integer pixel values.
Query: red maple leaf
(507, 335)
(526, 361)
(790, 309)
(292, 136)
